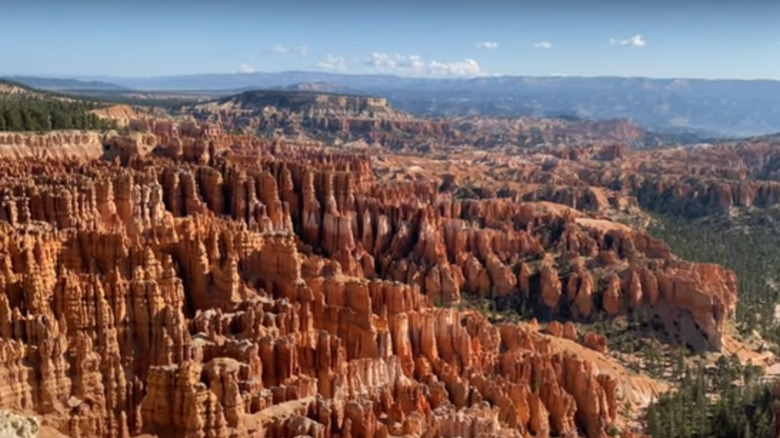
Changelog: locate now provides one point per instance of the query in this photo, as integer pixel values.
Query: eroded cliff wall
(204, 285)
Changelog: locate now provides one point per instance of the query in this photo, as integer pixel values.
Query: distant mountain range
(680, 106)
(56, 84)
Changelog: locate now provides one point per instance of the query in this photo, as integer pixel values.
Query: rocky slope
(122, 115)
(62, 144)
(11, 89)
(490, 132)
(604, 179)
(342, 118)
(311, 115)
(192, 283)
(18, 426)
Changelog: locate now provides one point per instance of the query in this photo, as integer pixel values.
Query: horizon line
(85, 77)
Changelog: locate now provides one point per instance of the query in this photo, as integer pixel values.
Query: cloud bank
(414, 65)
(543, 45)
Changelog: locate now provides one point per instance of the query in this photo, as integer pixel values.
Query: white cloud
(489, 45)
(330, 62)
(414, 65)
(543, 45)
(634, 41)
(279, 49)
(467, 67)
(246, 68)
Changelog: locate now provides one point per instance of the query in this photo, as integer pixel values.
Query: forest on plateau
(37, 113)
(752, 251)
(728, 400)
(725, 401)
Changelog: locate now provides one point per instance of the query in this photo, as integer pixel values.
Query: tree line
(725, 401)
(751, 251)
(728, 400)
(34, 113)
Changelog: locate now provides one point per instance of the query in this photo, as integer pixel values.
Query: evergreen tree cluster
(752, 252)
(41, 113)
(727, 401)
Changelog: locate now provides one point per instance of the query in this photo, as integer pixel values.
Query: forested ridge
(751, 250)
(725, 401)
(33, 110)
(728, 400)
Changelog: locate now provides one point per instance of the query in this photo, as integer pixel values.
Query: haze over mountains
(718, 108)
(57, 84)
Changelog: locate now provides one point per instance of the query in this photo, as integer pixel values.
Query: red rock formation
(595, 341)
(209, 285)
(62, 144)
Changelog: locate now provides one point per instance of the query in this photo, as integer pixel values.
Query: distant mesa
(304, 100)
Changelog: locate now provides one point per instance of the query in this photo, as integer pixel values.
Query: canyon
(182, 279)
(371, 121)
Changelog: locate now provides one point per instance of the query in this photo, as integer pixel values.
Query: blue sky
(694, 39)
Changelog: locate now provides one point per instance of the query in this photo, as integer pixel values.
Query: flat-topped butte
(297, 101)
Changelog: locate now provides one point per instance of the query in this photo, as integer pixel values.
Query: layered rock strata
(202, 285)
